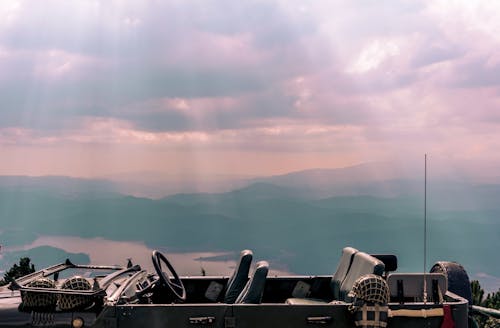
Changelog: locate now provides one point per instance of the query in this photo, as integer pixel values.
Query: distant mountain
(404, 207)
(59, 185)
(361, 173)
(362, 179)
(253, 192)
(447, 191)
(157, 185)
(378, 179)
(283, 219)
(42, 257)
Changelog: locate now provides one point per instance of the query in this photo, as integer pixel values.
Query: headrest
(390, 261)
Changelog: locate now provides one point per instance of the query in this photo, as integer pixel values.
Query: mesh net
(371, 294)
(69, 302)
(39, 300)
(370, 288)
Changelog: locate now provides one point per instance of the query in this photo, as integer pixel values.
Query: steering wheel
(174, 284)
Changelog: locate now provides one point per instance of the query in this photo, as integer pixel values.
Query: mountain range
(298, 221)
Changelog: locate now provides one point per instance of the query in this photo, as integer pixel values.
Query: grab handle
(319, 320)
(201, 320)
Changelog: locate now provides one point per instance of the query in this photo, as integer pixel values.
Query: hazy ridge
(283, 219)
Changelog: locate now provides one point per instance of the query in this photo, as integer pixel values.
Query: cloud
(477, 72)
(275, 76)
(373, 55)
(80, 59)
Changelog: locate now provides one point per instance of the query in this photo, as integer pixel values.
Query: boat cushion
(337, 279)
(342, 270)
(239, 278)
(361, 264)
(254, 289)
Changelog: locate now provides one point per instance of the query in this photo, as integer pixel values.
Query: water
(103, 251)
(107, 252)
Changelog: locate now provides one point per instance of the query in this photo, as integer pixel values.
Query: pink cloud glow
(320, 84)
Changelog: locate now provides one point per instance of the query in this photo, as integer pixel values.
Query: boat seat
(342, 270)
(362, 264)
(405, 287)
(353, 264)
(239, 278)
(254, 288)
(337, 279)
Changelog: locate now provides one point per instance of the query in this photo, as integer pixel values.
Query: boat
(366, 290)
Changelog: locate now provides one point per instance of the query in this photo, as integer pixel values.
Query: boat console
(365, 291)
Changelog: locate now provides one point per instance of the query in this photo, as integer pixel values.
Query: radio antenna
(425, 228)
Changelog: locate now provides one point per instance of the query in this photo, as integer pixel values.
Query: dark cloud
(432, 53)
(91, 28)
(246, 112)
(55, 103)
(128, 53)
(124, 55)
(476, 73)
(130, 29)
(268, 23)
(167, 121)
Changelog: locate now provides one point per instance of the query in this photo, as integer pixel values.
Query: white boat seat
(254, 289)
(338, 277)
(239, 278)
(362, 264)
(342, 270)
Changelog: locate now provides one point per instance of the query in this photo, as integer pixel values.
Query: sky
(91, 88)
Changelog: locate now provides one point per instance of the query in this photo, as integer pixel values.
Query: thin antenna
(425, 229)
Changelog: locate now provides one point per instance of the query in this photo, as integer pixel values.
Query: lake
(103, 251)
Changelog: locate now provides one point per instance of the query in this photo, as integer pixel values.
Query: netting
(371, 294)
(370, 288)
(69, 302)
(39, 300)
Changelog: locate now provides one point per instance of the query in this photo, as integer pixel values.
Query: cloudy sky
(91, 88)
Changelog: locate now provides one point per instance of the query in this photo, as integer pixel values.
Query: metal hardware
(201, 320)
(319, 320)
(401, 293)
